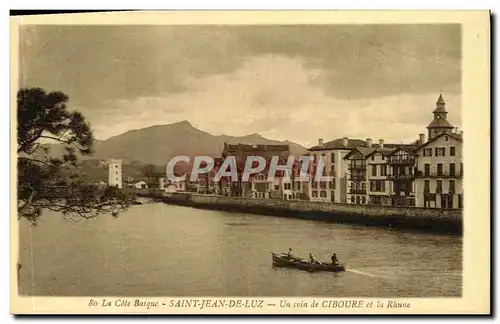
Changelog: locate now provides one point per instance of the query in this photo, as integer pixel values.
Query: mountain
(158, 144)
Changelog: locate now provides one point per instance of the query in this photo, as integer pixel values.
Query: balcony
(357, 191)
(404, 176)
(402, 161)
(357, 178)
(403, 193)
(444, 174)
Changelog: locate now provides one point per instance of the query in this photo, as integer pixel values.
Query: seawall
(403, 218)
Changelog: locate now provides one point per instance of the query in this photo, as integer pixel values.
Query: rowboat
(285, 262)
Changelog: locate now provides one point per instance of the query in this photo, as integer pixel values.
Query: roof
(458, 137)
(440, 123)
(255, 147)
(365, 151)
(440, 105)
(408, 148)
(337, 144)
(385, 151)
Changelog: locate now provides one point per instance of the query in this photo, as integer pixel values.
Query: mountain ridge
(157, 144)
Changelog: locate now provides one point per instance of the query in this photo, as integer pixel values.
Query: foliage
(53, 183)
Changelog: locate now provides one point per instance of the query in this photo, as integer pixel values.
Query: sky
(290, 82)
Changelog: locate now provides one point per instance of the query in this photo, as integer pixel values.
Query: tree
(52, 183)
(149, 171)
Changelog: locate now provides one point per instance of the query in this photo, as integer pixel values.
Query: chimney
(381, 143)
(421, 138)
(345, 142)
(369, 142)
(320, 142)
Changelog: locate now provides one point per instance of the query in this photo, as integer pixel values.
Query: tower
(115, 173)
(439, 124)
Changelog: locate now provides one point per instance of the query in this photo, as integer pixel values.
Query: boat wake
(369, 274)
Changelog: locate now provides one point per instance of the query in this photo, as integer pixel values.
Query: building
(115, 173)
(439, 174)
(332, 153)
(439, 123)
(357, 174)
(141, 185)
(379, 185)
(402, 162)
(241, 152)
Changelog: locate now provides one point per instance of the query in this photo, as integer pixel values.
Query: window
(373, 157)
(440, 151)
(276, 187)
(452, 187)
(322, 194)
(289, 197)
(452, 150)
(427, 169)
(446, 138)
(315, 193)
(439, 186)
(452, 169)
(439, 169)
(383, 158)
(352, 199)
(377, 185)
(427, 186)
(374, 170)
(357, 200)
(363, 200)
(460, 202)
(333, 184)
(383, 170)
(332, 156)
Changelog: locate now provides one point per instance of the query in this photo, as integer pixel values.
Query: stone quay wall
(407, 218)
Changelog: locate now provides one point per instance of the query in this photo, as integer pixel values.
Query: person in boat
(289, 254)
(312, 259)
(334, 259)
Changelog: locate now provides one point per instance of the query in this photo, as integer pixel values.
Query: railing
(401, 176)
(439, 191)
(358, 191)
(436, 174)
(403, 193)
(402, 161)
(357, 167)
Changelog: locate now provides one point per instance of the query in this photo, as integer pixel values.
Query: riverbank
(403, 218)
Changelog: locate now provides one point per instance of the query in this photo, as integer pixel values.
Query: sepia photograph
(251, 166)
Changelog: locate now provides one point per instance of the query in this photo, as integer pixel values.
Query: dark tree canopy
(53, 183)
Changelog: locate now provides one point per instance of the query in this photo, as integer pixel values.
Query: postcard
(251, 162)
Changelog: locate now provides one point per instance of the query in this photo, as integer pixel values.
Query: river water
(162, 250)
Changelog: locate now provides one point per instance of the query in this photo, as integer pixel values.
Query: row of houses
(425, 173)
